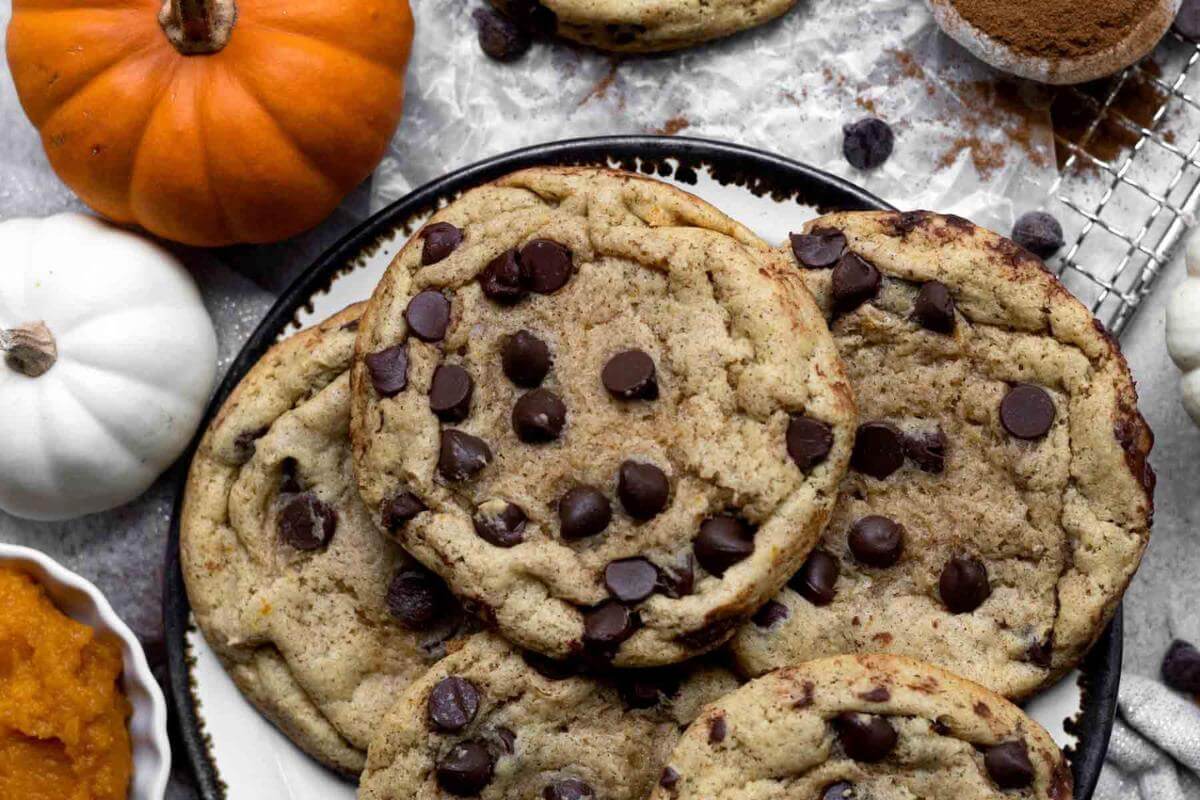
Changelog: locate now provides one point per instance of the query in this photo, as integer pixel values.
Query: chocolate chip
(718, 729)
(879, 694)
(1027, 412)
(568, 789)
(545, 266)
(669, 778)
(428, 315)
(501, 523)
(821, 248)
(1181, 667)
(583, 511)
(1187, 21)
(839, 791)
(854, 283)
(865, 737)
(462, 455)
(964, 584)
(643, 489)
(539, 416)
(307, 523)
(400, 508)
(418, 599)
(770, 614)
(453, 704)
(525, 358)
(246, 442)
(289, 481)
(441, 239)
(817, 579)
(501, 279)
(631, 580)
(934, 307)
(501, 38)
(679, 579)
(868, 143)
(1008, 764)
(723, 542)
(466, 769)
(508, 739)
(1039, 233)
(648, 687)
(630, 376)
(927, 450)
(450, 393)
(808, 441)
(1041, 652)
(532, 16)
(878, 450)
(608, 624)
(389, 370)
(877, 541)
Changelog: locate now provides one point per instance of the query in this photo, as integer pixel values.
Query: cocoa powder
(1055, 28)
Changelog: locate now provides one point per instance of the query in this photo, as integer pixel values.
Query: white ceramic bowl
(81, 601)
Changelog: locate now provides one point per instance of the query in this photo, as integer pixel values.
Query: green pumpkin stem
(198, 27)
(29, 349)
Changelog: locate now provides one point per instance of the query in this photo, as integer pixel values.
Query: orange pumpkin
(212, 122)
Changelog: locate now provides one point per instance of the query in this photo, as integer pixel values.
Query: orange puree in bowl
(63, 718)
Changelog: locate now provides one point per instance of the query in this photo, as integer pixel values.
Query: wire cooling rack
(1129, 179)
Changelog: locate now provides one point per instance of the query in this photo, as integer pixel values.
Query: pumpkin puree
(63, 718)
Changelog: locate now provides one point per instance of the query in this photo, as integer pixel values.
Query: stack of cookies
(594, 455)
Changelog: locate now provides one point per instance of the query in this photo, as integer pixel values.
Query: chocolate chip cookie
(492, 723)
(999, 498)
(319, 619)
(872, 727)
(608, 415)
(640, 27)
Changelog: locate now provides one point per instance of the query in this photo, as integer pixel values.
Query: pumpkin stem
(198, 27)
(29, 348)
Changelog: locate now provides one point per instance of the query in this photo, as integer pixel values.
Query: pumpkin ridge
(90, 81)
(206, 157)
(175, 398)
(164, 86)
(341, 47)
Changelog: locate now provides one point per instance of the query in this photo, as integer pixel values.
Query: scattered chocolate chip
(770, 614)
(927, 450)
(868, 143)
(1008, 764)
(545, 266)
(501, 279)
(508, 740)
(1187, 21)
(631, 580)
(878, 450)
(964, 584)
(452, 704)
(400, 508)
(466, 769)
(532, 16)
(808, 441)
(450, 393)
(854, 283)
(428, 315)
(418, 599)
(389, 370)
(1027, 412)
(582, 512)
(1039, 233)
(865, 737)
(723, 542)
(819, 249)
(679, 579)
(718, 729)
(669, 778)
(643, 489)
(839, 791)
(525, 358)
(608, 624)
(630, 376)
(568, 789)
(817, 579)
(307, 523)
(1181, 667)
(539, 416)
(441, 239)
(500, 523)
(462, 455)
(934, 307)
(501, 38)
(877, 541)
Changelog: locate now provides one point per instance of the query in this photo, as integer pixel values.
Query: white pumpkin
(109, 359)
(1183, 330)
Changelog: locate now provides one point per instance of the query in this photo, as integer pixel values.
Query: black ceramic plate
(235, 754)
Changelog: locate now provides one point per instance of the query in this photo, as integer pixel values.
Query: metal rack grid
(1125, 217)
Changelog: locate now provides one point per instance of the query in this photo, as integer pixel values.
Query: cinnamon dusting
(1056, 29)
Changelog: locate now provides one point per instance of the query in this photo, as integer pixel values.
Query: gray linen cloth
(1155, 749)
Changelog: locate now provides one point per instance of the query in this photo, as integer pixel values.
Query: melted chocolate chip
(450, 393)
(934, 307)
(868, 143)
(723, 542)
(608, 624)
(583, 511)
(630, 376)
(878, 450)
(289, 481)
(817, 579)
(1041, 653)
(545, 266)
(679, 579)
(500, 523)
(418, 599)
(770, 614)
(877, 541)
(839, 791)
(808, 441)
(631, 580)
(927, 450)
(854, 283)
(819, 249)
(643, 489)
(452, 704)
(865, 737)
(466, 769)
(1027, 412)
(507, 738)
(568, 789)
(400, 508)
(964, 584)
(1008, 764)
(525, 358)
(1181, 667)
(669, 778)
(307, 523)
(428, 315)
(501, 279)
(441, 239)
(718, 729)
(539, 416)
(462, 456)
(649, 687)
(389, 370)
